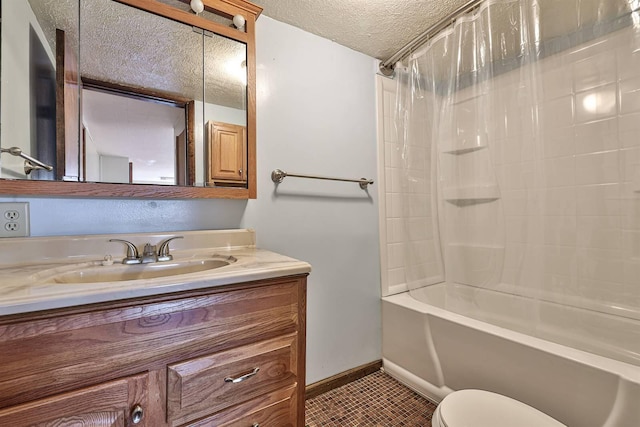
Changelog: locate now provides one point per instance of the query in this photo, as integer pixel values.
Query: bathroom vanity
(219, 347)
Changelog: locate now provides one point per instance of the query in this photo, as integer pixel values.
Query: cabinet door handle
(242, 378)
(136, 414)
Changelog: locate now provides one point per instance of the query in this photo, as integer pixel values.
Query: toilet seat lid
(479, 408)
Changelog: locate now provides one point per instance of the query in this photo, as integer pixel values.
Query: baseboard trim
(338, 380)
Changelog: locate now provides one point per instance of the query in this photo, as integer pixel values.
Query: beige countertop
(25, 287)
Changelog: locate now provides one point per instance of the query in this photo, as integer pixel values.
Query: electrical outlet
(14, 219)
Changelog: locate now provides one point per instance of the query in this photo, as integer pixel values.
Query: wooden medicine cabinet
(136, 56)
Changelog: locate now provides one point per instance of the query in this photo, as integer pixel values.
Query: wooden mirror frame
(227, 8)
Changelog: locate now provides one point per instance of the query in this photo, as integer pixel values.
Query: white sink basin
(119, 272)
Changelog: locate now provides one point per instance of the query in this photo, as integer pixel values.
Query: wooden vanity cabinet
(225, 356)
(112, 403)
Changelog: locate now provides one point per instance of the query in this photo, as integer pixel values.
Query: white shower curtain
(519, 132)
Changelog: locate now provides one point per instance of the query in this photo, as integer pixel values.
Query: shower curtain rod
(387, 67)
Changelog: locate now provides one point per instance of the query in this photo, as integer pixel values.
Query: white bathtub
(435, 351)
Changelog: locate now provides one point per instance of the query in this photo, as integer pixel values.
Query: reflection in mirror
(152, 88)
(132, 137)
(34, 87)
(155, 66)
(225, 112)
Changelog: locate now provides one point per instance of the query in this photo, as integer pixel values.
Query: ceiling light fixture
(197, 6)
(239, 21)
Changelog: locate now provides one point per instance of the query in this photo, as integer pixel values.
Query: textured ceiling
(121, 44)
(377, 28)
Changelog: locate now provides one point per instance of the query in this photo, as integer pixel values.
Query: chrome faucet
(148, 253)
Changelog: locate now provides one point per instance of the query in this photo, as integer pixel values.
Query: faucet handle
(163, 250)
(132, 252)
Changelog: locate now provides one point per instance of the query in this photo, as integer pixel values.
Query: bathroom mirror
(155, 101)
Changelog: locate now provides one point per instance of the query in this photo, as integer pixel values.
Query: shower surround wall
(408, 208)
(551, 213)
(582, 178)
(585, 250)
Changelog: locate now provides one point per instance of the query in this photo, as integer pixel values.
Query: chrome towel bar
(279, 175)
(30, 163)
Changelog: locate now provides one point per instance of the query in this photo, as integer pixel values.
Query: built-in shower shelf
(461, 150)
(469, 195)
(464, 146)
(475, 246)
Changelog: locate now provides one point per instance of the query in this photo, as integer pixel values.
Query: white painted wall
(114, 169)
(220, 113)
(92, 157)
(17, 18)
(316, 114)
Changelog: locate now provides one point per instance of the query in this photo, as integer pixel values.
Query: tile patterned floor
(376, 400)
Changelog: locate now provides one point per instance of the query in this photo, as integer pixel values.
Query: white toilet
(479, 408)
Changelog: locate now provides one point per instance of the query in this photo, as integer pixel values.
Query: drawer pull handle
(136, 414)
(255, 425)
(242, 378)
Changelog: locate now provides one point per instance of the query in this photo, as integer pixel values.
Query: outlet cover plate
(14, 219)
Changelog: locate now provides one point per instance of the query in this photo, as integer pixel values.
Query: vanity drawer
(209, 384)
(276, 409)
